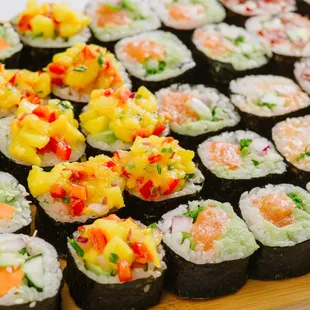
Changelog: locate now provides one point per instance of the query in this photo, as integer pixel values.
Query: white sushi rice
(52, 271)
(261, 151)
(211, 12)
(250, 91)
(143, 19)
(302, 74)
(12, 38)
(268, 233)
(308, 187)
(236, 241)
(213, 100)
(178, 57)
(246, 55)
(14, 194)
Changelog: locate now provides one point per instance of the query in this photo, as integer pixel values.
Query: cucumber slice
(96, 270)
(11, 259)
(33, 268)
(106, 136)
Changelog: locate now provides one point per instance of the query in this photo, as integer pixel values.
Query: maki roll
(115, 264)
(113, 119)
(235, 162)
(229, 51)
(73, 194)
(208, 248)
(15, 213)
(159, 176)
(31, 277)
(197, 112)
(264, 100)
(155, 59)
(278, 216)
(10, 46)
(113, 20)
(302, 74)
(182, 17)
(292, 140)
(49, 28)
(41, 135)
(82, 68)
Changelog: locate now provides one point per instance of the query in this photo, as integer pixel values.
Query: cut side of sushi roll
(302, 74)
(235, 162)
(264, 100)
(278, 216)
(160, 175)
(292, 140)
(113, 119)
(73, 194)
(229, 51)
(155, 58)
(208, 248)
(30, 273)
(196, 112)
(15, 213)
(115, 264)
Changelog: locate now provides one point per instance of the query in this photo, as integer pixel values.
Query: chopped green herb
(189, 176)
(139, 117)
(297, 200)
(255, 162)
(64, 105)
(266, 104)
(160, 68)
(305, 153)
(76, 247)
(239, 40)
(154, 191)
(113, 273)
(165, 150)
(113, 258)
(66, 199)
(245, 151)
(100, 60)
(138, 96)
(158, 169)
(130, 166)
(153, 226)
(185, 236)
(194, 214)
(146, 267)
(23, 251)
(80, 69)
(245, 143)
(170, 167)
(40, 92)
(55, 33)
(39, 35)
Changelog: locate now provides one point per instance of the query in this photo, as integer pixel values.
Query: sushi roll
(302, 74)
(196, 112)
(82, 68)
(208, 248)
(73, 194)
(155, 59)
(278, 217)
(41, 135)
(235, 162)
(182, 17)
(115, 264)
(113, 119)
(229, 51)
(292, 140)
(10, 46)
(159, 176)
(113, 20)
(15, 213)
(49, 28)
(264, 100)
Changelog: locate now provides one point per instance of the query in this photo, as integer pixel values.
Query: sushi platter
(155, 154)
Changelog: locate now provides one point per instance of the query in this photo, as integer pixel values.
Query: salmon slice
(6, 211)
(3, 44)
(9, 280)
(185, 11)
(108, 16)
(209, 227)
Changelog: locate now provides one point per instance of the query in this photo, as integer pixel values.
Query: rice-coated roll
(278, 217)
(302, 74)
(196, 112)
(115, 264)
(234, 162)
(15, 213)
(159, 176)
(72, 194)
(308, 187)
(208, 248)
(113, 119)
(30, 273)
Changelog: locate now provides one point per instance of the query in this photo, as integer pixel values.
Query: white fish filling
(302, 74)
(8, 33)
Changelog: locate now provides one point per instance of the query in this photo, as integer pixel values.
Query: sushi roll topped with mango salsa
(113, 119)
(302, 74)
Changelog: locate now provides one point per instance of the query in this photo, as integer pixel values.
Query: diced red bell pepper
(146, 190)
(57, 68)
(57, 81)
(123, 95)
(88, 54)
(124, 271)
(61, 148)
(78, 176)
(172, 186)
(139, 182)
(155, 158)
(108, 64)
(76, 206)
(97, 238)
(140, 133)
(46, 113)
(35, 99)
(24, 23)
(77, 191)
(159, 129)
(142, 254)
(126, 173)
(110, 164)
(13, 78)
(81, 228)
(108, 92)
(57, 191)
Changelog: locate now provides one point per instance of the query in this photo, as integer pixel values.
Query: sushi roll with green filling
(302, 74)
(196, 112)
(73, 194)
(208, 248)
(115, 264)
(229, 51)
(155, 59)
(113, 119)
(235, 162)
(292, 140)
(160, 175)
(15, 213)
(279, 218)
(47, 29)
(113, 20)
(264, 100)
(10, 46)
(30, 274)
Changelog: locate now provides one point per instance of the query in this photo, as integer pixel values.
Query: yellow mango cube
(43, 25)
(112, 229)
(96, 125)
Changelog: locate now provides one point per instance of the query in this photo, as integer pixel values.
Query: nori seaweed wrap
(208, 248)
(303, 7)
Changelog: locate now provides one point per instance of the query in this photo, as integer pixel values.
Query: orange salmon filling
(9, 280)
(184, 11)
(226, 154)
(6, 211)
(3, 44)
(108, 16)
